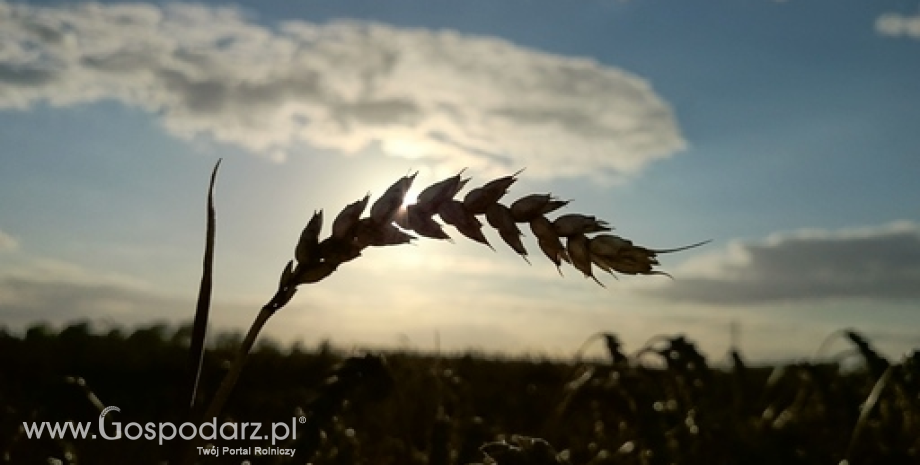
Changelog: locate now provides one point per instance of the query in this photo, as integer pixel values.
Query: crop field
(122, 393)
(664, 404)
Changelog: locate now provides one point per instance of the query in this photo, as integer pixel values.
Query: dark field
(664, 405)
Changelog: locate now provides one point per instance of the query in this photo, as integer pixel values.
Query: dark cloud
(25, 76)
(345, 86)
(881, 263)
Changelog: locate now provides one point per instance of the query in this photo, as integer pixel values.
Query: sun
(410, 199)
(402, 216)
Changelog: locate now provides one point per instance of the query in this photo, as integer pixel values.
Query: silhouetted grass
(407, 408)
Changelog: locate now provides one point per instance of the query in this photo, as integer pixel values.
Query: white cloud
(873, 263)
(7, 242)
(459, 100)
(897, 25)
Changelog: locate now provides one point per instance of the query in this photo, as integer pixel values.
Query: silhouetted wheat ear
(390, 224)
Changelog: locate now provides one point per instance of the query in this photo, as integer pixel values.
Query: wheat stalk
(586, 242)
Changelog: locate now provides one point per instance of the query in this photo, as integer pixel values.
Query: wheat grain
(351, 234)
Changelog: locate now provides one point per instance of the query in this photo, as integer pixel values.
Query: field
(665, 404)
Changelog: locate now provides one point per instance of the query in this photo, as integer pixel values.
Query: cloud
(24, 301)
(897, 25)
(455, 100)
(58, 292)
(30, 300)
(7, 243)
(874, 263)
(52, 290)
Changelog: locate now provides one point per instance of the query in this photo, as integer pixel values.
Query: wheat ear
(390, 224)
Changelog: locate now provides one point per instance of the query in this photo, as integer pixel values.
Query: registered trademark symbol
(302, 419)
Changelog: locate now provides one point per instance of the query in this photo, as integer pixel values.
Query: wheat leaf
(203, 307)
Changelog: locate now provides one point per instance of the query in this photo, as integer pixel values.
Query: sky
(787, 133)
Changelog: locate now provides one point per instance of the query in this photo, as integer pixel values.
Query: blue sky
(786, 132)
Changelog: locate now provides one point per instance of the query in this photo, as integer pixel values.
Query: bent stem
(229, 382)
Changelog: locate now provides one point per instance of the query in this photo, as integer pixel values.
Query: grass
(662, 403)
